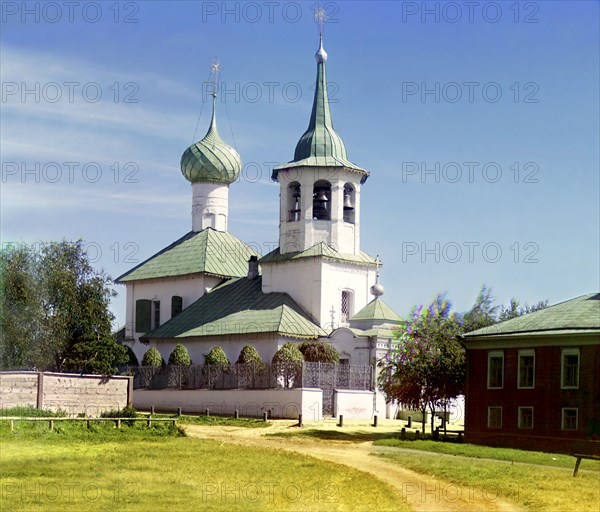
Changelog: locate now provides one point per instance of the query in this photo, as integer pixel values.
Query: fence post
(375, 420)
(341, 423)
(236, 414)
(403, 434)
(300, 424)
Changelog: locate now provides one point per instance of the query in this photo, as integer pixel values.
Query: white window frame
(525, 353)
(519, 417)
(490, 407)
(562, 422)
(491, 354)
(569, 352)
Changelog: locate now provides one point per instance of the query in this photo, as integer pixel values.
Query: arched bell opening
(349, 202)
(294, 202)
(322, 200)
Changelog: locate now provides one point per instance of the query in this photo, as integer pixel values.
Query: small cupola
(210, 159)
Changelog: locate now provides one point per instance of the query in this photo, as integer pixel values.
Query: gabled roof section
(320, 250)
(208, 251)
(239, 307)
(376, 312)
(578, 315)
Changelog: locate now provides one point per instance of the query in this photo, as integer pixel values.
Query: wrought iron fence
(253, 376)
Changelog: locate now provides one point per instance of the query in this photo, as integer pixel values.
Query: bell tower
(320, 188)
(319, 261)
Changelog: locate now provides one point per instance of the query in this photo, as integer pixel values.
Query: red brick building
(533, 382)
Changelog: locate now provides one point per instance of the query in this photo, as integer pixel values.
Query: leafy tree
(514, 309)
(55, 310)
(317, 351)
(216, 356)
(249, 355)
(152, 357)
(180, 356)
(483, 312)
(427, 369)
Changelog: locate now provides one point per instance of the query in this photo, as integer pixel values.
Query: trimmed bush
(180, 356)
(152, 357)
(249, 355)
(216, 356)
(288, 353)
(317, 351)
(132, 359)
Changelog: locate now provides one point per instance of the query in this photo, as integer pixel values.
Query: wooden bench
(580, 456)
(447, 433)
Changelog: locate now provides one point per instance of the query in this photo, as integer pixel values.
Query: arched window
(349, 203)
(347, 305)
(322, 200)
(294, 202)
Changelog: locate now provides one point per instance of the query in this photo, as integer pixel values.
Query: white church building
(210, 289)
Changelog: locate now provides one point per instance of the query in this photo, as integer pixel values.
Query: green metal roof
(236, 307)
(320, 250)
(320, 145)
(377, 311)
(581, 314)
(210, 159)
(208, 251)
(378, 332)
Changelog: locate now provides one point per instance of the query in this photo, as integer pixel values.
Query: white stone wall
(284, 403)
(354, 405)
(89, 394)
(210, 206)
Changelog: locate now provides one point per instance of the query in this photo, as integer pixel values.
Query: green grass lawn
(135, 468)
(509, 477)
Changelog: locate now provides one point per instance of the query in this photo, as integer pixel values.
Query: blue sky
(479, 125)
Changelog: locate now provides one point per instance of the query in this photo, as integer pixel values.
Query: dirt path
(422, 492)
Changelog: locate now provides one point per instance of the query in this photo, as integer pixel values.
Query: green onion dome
(210, 159)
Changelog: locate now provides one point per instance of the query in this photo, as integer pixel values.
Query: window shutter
(142, 315)
(176, 305)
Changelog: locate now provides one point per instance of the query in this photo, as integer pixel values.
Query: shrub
(152, 357)
(249, 355)
(132, 358)
(288, 353)
(180, 356)
(216, 356)
(127, 412)
(319, 352)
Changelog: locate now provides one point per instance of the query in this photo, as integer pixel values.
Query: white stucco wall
(317, 286)
(265, 344)
(210, 206)
(284, 403)
(190, 288)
